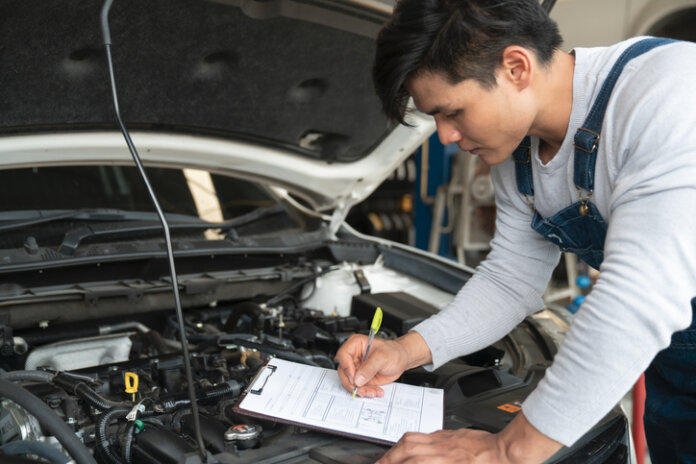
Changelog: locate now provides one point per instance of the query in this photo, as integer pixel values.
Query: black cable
(102, 442)
(229, 388)
(128, 443)
(167, 238)
(225, 340)
(314, 290)
(291, 288)
(52, 423)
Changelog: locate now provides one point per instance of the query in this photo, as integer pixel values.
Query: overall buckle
(585, 138)
(523, 154)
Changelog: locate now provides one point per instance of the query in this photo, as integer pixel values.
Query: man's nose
(447, 132)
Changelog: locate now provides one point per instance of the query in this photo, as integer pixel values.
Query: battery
(401, 311)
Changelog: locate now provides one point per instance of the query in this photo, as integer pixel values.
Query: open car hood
(323, 184)
(276, 90)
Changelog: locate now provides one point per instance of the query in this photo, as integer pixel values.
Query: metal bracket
(258, 391)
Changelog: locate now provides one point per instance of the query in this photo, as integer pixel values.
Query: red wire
(638, 409)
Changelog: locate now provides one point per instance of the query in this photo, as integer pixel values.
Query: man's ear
(517, 66)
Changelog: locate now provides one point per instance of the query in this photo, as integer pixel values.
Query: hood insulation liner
(196, 66)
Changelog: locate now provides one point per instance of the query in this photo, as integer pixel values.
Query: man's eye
(453, 114)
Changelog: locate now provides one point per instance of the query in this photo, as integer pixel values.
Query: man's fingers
(350, 354)
(381, 367)
(418, 438)
(349, 357)
(345, 380)
(370, 391)
(411, 447)
(348, 372)
(367, 370)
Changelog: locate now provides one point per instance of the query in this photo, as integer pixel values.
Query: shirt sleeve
(648, 276)
(506, 287)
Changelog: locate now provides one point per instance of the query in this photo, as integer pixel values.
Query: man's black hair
(461, 39)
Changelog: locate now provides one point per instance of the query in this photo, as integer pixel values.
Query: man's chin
(489, 157)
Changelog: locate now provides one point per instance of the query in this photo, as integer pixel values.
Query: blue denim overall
(670, 408)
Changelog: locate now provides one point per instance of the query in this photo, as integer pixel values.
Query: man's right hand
(387, 360)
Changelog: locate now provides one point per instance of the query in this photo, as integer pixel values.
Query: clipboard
(312, 397)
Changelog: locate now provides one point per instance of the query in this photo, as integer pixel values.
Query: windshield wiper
(22, 219)
(75, 236)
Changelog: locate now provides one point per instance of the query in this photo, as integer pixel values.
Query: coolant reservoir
(333, 292)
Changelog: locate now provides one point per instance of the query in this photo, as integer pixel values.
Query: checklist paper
(313, 397)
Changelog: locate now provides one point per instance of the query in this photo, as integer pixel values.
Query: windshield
(181, 193)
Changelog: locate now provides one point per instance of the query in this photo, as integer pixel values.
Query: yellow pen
(374, 328)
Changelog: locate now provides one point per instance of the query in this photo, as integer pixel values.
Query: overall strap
(587, 137)
(523, 167)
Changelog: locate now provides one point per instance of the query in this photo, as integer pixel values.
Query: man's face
(489, 123)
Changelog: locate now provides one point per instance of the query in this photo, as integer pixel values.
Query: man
(604, 144)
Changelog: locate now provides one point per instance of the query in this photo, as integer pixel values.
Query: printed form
(314, 396)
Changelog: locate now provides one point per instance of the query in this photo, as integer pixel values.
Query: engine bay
(118, 382)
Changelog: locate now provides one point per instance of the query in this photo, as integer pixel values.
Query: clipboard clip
(258, 391)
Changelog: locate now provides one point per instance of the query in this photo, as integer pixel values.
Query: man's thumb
(366, 372)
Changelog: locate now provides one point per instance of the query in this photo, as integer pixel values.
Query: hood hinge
(338, 216)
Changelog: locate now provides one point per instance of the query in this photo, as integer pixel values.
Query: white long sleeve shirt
(645, 189)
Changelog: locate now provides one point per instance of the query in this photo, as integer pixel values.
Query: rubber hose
(34, 376)
(103, 443)
(128, 443)
(276, 299)
(326, 359)
(95, 399)
(231, 387)
(67, 383)
(48, 419)
(37, 448)
(85, 392)
(156, 339)
(251, 314)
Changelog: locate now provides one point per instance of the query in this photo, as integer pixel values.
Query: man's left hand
(518, 443)
(447, 446)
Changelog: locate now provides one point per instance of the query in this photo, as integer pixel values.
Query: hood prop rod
(165, 226)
